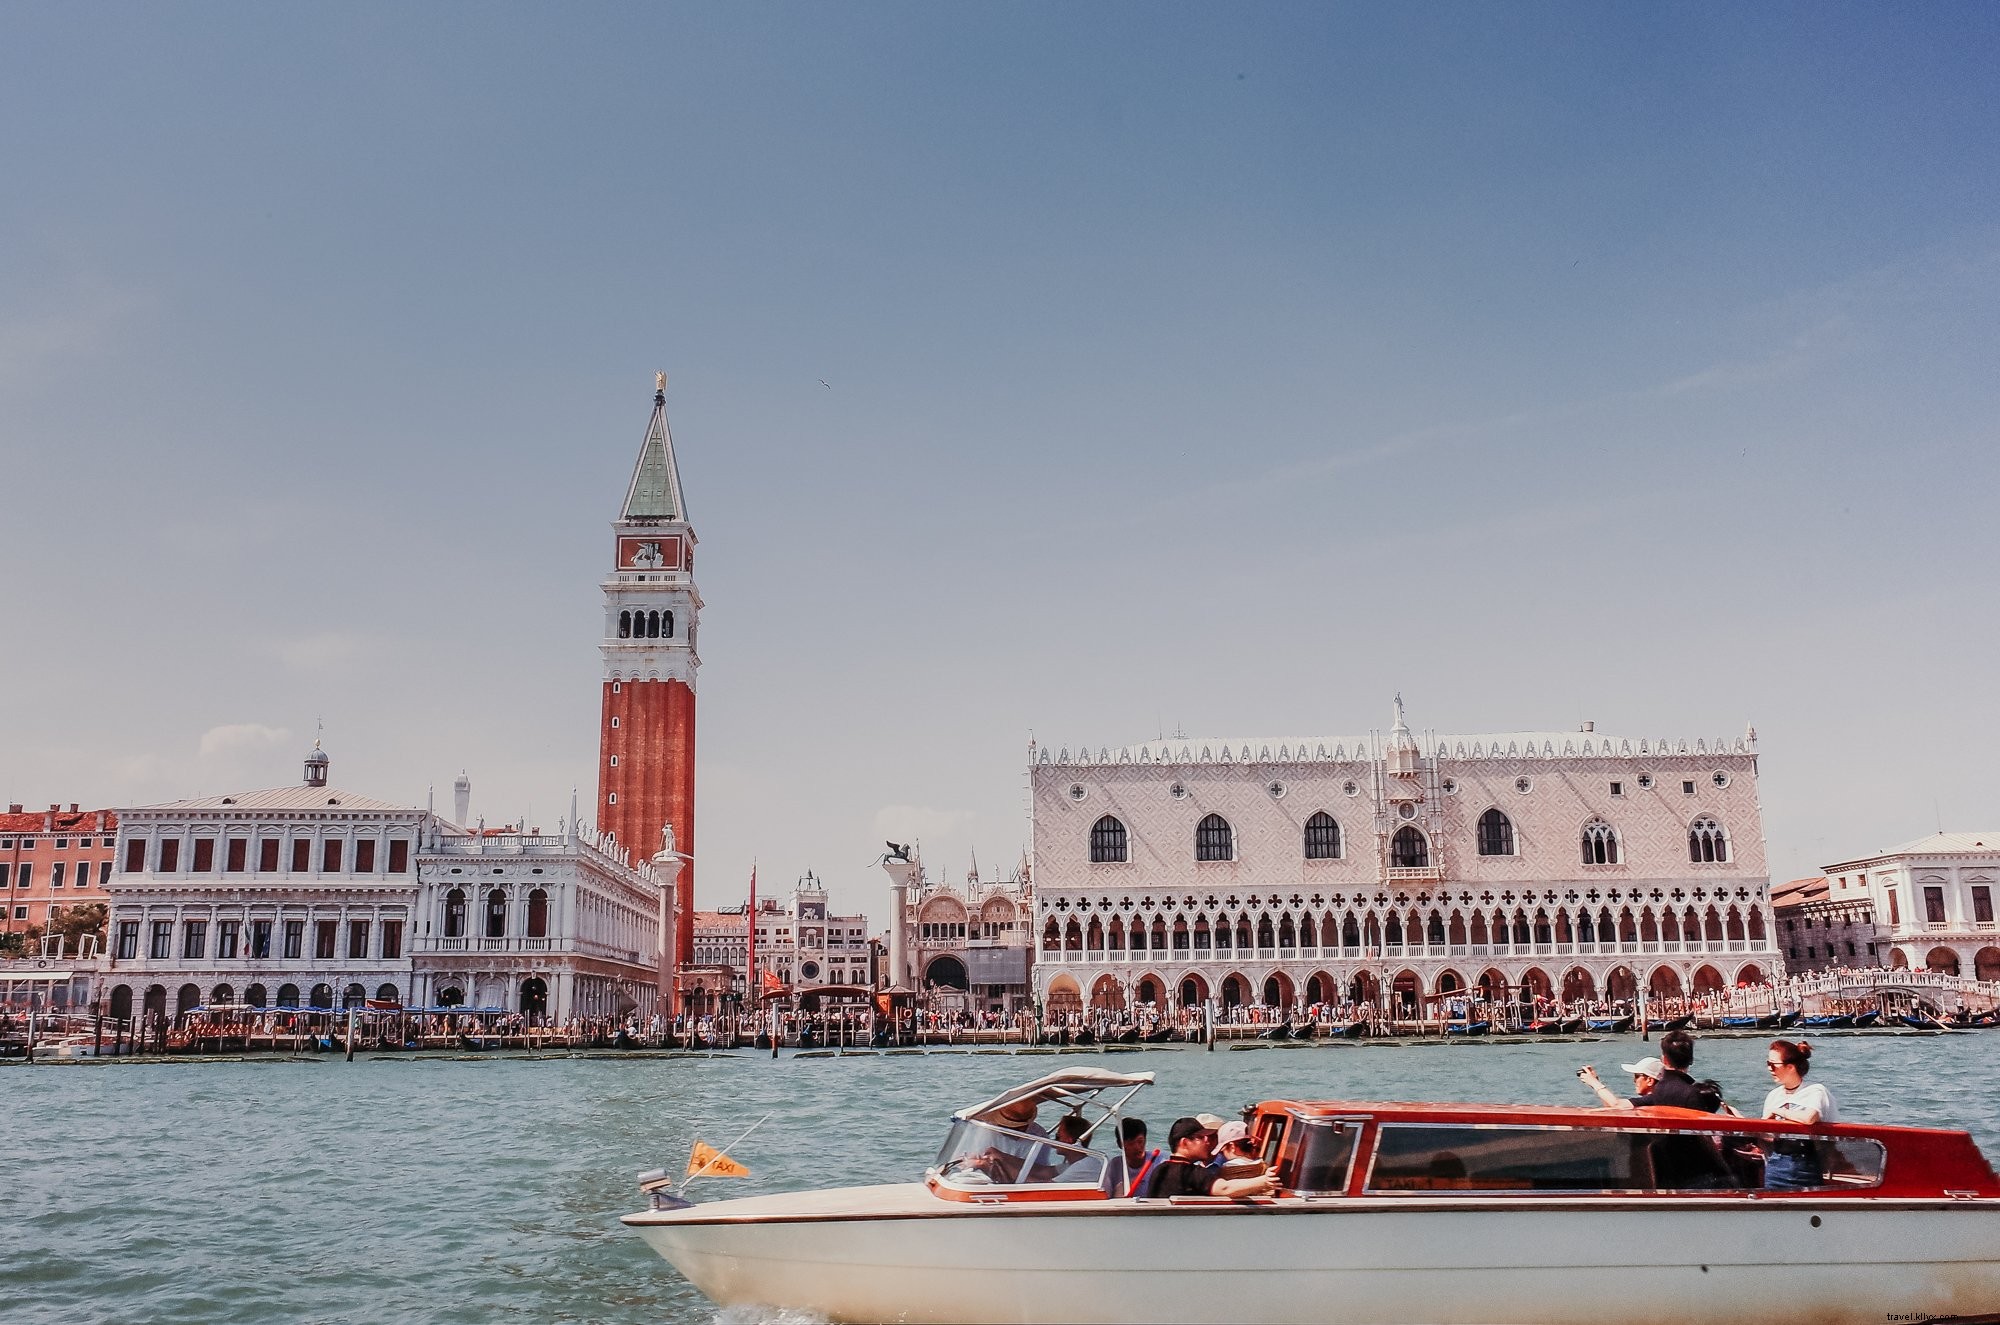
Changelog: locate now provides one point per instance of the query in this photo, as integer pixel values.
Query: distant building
(297, 896)
(310, 896)
(1312, 870)
(804, 947)
(1932, 901)
(558, 926)
(1819, 930)
(964, 947)
(53, 858)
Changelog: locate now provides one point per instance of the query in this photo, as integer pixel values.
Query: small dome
(316, 765)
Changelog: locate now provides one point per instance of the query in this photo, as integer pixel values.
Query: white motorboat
(1453, 1214)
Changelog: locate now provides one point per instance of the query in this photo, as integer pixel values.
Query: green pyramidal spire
(655, 493)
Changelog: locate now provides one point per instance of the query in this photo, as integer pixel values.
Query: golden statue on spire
(660, 382)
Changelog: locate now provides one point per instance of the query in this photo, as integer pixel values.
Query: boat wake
(769, 1316)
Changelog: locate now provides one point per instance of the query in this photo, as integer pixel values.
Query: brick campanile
(645, 761)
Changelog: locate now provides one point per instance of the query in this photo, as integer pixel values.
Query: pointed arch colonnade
(1111, 952)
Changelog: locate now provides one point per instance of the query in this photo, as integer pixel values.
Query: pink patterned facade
(1319, 870)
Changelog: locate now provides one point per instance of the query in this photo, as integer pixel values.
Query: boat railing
(981, 1154)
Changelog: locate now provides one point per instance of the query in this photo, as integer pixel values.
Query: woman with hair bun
(1793, 1163)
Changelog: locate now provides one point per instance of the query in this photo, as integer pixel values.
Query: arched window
(1600, 843)
(1213, 840)
(652, 625)
(256, 996)
(1706, 844)
(1435, 934)
(496, 914)
(1496, 834)
(666, 625)
(454, 914)
(538, 914)
(1350, 932)
(1322, 837)
(1051, 936)
(288, 996)
(353, 997)
(1408, 849)
(625, 625)
(322, 996)
(1107, 841)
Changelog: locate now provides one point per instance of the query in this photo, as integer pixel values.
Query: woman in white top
(1792, 1163)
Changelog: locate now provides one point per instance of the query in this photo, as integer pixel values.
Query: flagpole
(750, 932)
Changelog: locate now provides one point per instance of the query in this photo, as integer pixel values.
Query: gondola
(1863, 1020)
(763, 1040)
(1657, 1024)
(1084, 1036)
(1787, 1020)
(1164, 1035)
(1830, 1021)
(1279, 1032)
(1609, 1025)
(1468, 1027)
(879, 1040)
(1306, 1030)
(1353, 1030)
(1130, 1035)
(1767, 1022)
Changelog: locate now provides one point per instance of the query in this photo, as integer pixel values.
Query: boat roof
(1072, 1085)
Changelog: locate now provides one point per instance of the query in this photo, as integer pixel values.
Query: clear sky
(1225, 368)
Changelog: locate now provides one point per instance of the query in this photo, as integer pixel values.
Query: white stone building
(806, 948)
(296, 896)
(556, 926)
(965, 947)
(1318, 869)
(1932, 901)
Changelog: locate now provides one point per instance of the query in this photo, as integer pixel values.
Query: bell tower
(645, 764)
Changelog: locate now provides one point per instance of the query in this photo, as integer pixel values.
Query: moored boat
(1383, 1213)
(1609, 1025)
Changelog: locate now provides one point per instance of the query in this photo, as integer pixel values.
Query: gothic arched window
(1213, 840)
(1706, 844)
(1107, 841)
(1408, 849)
(1322, 837)
(1600, 843)
(454, 914)
(1496, 834)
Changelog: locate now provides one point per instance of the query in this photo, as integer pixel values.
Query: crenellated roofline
(1502, 747)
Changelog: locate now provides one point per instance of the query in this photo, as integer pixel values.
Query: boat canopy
(1072, 1087)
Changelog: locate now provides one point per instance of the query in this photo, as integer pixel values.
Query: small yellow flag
(712, 1163)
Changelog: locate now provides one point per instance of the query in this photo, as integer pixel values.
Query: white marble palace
(1278, 872)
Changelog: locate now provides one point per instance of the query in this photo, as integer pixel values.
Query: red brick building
(53, 858)
(645, 776)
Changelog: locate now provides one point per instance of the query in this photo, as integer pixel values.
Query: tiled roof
(82, 821)
(282, 798)
(1799, 891)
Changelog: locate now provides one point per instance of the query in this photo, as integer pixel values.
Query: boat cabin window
(1326, 1150)
(1426, 1158)
(977, 1154)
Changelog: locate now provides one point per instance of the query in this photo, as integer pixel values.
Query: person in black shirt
(1675, 1085)
(1188, 1172)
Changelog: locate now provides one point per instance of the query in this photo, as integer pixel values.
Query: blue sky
(1224, 368)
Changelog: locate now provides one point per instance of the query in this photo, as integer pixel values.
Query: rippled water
(409, 1190)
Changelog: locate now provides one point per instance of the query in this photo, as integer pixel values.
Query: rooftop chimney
(14, 809)
(1590, 726)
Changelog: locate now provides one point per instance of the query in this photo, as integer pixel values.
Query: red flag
(772, 983)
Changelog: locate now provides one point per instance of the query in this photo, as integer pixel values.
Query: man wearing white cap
(1646, 1074)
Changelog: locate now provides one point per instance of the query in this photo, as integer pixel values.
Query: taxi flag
(706, 1161)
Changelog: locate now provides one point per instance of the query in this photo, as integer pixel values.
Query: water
(489, 1190)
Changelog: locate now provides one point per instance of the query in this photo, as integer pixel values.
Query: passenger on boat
(1188, 1172)
(1239, 1158)
(1646, 1075)
(1793, 1163)
(1065, 1158)
(1127, 1172)
(1675, 1085)
(1005, 1160)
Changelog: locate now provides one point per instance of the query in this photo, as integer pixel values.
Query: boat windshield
(1060, 1129)
(983, 1154)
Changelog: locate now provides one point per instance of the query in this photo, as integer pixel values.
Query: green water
(488, 1190)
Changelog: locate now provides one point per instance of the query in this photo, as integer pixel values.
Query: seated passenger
(1792, 1163)
(1238, 1156)
(1004, 1160)
(1128, 1172)
(1188, 1172)
(1064, 1152)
